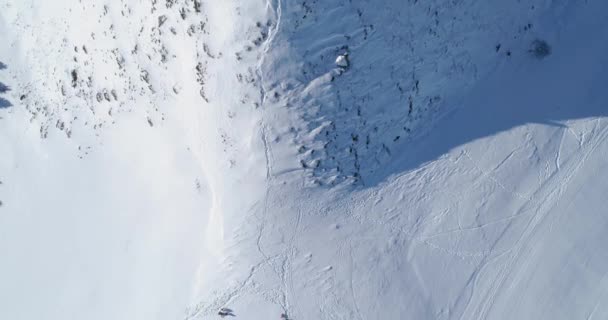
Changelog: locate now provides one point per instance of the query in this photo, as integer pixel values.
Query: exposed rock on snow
(342, 61)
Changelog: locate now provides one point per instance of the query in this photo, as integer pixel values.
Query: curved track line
(533, 225)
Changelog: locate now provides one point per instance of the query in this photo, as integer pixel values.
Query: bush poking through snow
(3, 89)
(540, 48)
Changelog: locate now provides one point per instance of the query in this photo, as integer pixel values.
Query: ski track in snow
(555, 188)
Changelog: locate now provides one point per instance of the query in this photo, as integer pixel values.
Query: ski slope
(165, 159)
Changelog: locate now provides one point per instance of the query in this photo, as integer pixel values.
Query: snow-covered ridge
(134, 119)
(343, 126)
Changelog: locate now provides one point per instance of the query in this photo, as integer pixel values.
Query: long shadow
(4, 89)
(572, 83)
(4, 103)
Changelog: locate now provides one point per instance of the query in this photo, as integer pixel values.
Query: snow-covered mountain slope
(165, 159)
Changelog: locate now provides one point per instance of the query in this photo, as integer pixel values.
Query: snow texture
(204, 159)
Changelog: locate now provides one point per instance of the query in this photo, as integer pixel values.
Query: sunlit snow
(303, 159)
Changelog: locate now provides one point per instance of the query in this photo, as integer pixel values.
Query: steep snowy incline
(129, 129)
(165, 159)
(486, 216)
(410, 61)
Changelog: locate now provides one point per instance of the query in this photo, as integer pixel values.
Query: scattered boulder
(342, 61)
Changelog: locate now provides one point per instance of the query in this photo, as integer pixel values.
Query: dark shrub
(540, 48)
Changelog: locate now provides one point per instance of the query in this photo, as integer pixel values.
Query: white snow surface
(164, 159)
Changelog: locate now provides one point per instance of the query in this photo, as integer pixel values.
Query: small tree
(540, 48)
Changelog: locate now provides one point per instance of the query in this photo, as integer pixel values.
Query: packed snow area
(303, 159)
